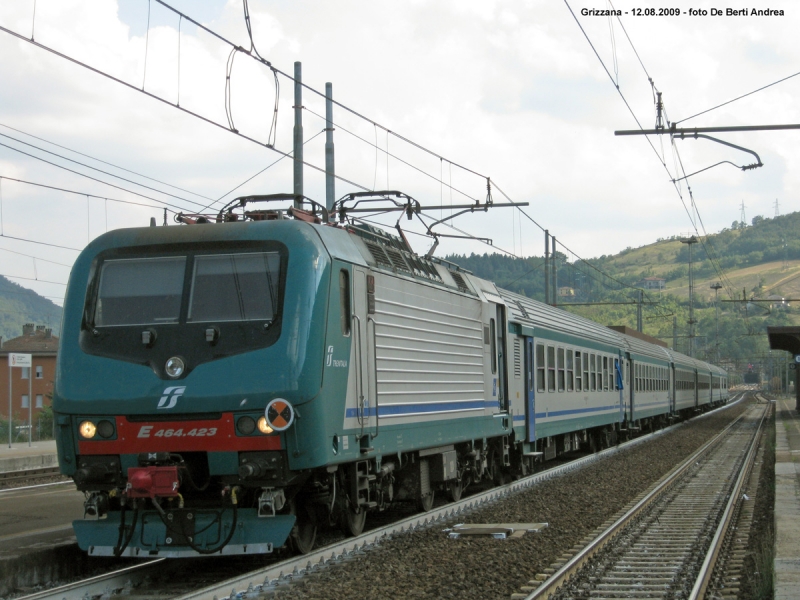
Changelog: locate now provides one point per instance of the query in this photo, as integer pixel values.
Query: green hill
(759, 261)
(19, 305)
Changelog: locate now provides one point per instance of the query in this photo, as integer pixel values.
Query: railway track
(141, 581)
(11, 477)
(133, 581)
(667, 544)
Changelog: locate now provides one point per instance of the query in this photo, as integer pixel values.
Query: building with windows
(30, 387)
(653, 283)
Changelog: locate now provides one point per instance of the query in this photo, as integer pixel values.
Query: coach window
(578, 384)
(585, 372)
(592, 380)
(344, 301)
(561, 370)
(551, 369)
(605, 373)
(540, 367)
(570, 370)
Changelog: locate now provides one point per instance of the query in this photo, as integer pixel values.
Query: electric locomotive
(228, 387)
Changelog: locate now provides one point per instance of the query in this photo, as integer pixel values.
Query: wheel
(352, 523)
(304, 532)
(426, 502)
(455, 488)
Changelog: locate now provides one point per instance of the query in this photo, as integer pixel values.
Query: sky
(526, 93)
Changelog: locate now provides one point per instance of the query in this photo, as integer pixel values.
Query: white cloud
(513, 91)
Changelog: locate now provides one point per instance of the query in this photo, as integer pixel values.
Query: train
(231, 385)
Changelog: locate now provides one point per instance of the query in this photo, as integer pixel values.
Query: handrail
(375, 372)
(359, 377)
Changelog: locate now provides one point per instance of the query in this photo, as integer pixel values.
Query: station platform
(787, 500)
(21, 456)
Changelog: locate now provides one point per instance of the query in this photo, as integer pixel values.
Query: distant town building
(566, 292)
(42, 345)
(653, 283)
(776, 301)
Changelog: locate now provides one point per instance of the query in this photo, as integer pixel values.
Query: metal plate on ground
(498, 531)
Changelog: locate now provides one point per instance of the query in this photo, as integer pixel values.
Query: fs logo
(169, 401)
(329, 358)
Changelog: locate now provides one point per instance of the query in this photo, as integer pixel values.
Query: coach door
(364, 338)
(530, 400)
(673, 384)
(626, 389)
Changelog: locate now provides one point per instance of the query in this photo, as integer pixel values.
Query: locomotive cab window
(203, 304)
(234, 287)
(140, 291)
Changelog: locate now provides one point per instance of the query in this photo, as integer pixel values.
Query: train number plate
(147, 431)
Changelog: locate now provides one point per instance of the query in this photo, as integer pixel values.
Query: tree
(756, 220)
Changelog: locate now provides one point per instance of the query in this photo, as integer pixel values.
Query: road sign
(20, 360)
(797, 358)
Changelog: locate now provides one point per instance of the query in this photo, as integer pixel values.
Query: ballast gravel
(429, 564)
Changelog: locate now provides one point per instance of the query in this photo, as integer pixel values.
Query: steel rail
(288, 570)
(551, 586)
(99, 585)
(33, 473)
(707, 569)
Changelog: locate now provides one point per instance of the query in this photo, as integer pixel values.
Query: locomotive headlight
(246, 425)
(87, 429)
(174, 367)
(263, 427)
(105, 429)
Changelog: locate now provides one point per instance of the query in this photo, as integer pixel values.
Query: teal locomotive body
(229, 388)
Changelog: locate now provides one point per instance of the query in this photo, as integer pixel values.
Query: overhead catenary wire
(169, 103)
(661, 160)
(346, 108)
(739, 97)
(87, 194)
(94, 158)
(36, 258)
(77, 162)
(167, 204)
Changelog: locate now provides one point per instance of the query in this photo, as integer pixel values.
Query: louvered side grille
(462, 285)
(517, 359)
(378, 254)
(398, 262)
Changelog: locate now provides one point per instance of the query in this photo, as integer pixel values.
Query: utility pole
(690, 241)
(546, 266)
(777, 208)
(675, 333)
(298, 135)
(639, 313)
(742, 218)
(716, 287)
(555, 273)
(330, 175)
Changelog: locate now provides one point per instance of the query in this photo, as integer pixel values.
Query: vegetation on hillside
(752, 261)
(19, 305)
